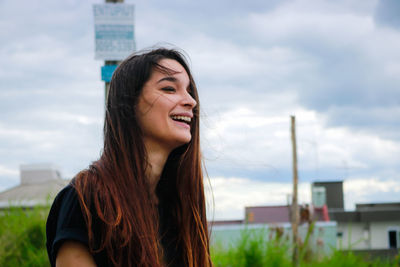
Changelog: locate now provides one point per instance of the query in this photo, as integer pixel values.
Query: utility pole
(295, 208)
(110, 62)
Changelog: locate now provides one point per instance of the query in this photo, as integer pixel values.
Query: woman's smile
(183, 120)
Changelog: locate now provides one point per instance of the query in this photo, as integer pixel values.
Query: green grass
(23, 237)
(252, 250)
(22, 243)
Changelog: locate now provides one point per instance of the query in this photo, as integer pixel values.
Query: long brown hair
(115, 189)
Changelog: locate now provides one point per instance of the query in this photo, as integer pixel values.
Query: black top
(66, 222)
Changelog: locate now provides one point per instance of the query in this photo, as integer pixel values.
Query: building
(329, 193)
(267, 222)
(372, 226)
(321, 241)
(39, 184)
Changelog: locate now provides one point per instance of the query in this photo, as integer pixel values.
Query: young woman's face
(165, 107)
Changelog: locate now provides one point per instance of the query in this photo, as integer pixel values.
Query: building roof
(32, 194)
(378, 206)
(39, 184)
(365, 216)
(371, 212)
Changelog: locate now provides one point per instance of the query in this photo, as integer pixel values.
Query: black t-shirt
(66, 222)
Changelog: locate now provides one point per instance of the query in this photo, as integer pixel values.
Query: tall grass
(253, 250)
(23, 237)
(22, 243)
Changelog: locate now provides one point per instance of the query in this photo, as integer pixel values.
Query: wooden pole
(295, 208)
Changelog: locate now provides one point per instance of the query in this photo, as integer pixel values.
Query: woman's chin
(182, 140)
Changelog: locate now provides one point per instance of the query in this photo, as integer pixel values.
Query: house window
(393, 239)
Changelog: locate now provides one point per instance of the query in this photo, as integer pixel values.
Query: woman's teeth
(182, 118)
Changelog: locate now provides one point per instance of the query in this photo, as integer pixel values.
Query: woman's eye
(168, 89)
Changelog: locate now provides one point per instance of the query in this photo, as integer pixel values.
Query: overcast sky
(335, 65)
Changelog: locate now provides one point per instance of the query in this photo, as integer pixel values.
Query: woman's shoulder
(66, 196)
(65, 221)
(68, 200)
(65, 205)
(68, 189)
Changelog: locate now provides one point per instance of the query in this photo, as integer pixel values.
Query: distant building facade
(370, 226)
(269, 221)
(39, 184)
(373, 226)
(328, 193)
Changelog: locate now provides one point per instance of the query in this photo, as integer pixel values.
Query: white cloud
(266, 139)
(8, 174)
(371, 190)
(334, 27)
(68, 117)
(327, 62)
(251, 66)
(231, 195)
(8, 171)
(34, 135)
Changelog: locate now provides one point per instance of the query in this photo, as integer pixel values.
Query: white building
(374, 226)
(39, 184)
(370, 226)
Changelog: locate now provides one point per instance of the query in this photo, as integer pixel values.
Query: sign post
(114, 36)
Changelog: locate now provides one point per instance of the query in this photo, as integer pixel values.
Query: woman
(142, 203)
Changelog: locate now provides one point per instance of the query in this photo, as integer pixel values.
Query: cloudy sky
(335, 65)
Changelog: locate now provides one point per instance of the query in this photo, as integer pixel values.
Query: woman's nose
(188, 100)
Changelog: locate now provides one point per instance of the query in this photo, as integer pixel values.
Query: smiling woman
(142, 203)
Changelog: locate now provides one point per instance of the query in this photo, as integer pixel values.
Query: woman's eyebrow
(168, 78)
(172, 79)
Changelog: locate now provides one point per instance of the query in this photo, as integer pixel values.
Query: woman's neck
(157, 158)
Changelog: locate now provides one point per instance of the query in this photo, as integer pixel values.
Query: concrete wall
(380, 234)
(367, 235)
(353, 236)
(322, 240)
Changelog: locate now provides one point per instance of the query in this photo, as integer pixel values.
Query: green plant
(254, 249)
(23, 237)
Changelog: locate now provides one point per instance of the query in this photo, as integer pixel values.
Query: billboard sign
(114, 30)
(107, 72)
